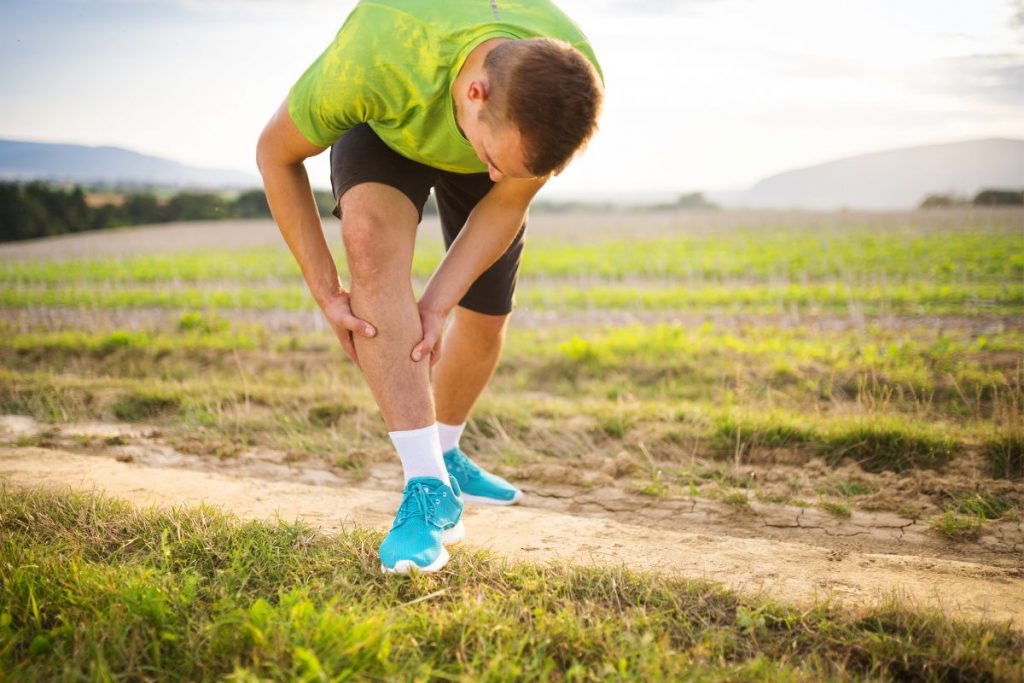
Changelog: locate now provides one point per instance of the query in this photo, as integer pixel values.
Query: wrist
(432, 303)
(326, 292)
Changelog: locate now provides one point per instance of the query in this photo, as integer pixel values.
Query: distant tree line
(691, 200)
(36, 209)
(983, 198)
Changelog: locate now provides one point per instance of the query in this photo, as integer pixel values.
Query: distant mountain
(110, 165)
(893, 179)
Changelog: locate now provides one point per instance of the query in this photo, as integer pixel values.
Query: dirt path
(795, 572)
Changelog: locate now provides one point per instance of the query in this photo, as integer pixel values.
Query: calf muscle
(379, 231)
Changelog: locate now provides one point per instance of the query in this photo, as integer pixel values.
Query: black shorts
(359, 156)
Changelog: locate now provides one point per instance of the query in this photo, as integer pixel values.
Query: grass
(1005, 454)
(269, 407)
(143, 405)
(967, 511)
(656, 488)
(92, 588)
(958, 374)
(770, 352)
(737, 500)
(848, 488)
(957, 526)
(328, 414)
(886, 443)
(815, 253)
(981, 504)
(915, 298)
(835, 508)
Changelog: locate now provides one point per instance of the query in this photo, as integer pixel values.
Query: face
(498, 145)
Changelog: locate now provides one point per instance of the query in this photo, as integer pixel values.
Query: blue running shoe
(430, 516)
(479, 485)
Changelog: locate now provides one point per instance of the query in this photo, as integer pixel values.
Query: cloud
(996, 77)
(1017, 14)
(651, 7)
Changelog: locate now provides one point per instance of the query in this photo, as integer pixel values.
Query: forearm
(294, 210)
(489, 231)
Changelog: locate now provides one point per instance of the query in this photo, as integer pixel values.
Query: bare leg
(379, 230)
(469, 354)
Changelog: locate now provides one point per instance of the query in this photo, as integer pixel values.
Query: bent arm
(279, 156)
(489, 230)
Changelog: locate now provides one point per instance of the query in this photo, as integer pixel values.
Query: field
(818, 413)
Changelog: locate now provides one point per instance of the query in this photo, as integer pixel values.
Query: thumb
(425, 346)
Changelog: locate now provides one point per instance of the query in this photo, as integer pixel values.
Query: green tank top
(392, 66)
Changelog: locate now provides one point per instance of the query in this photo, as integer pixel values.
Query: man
(482, 100)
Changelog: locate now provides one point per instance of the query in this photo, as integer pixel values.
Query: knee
(357, 232)
(364, 234)
(488, 329)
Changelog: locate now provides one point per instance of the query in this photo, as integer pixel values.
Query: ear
(478, 91)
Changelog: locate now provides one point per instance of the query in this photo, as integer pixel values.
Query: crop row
(952, 372)
(598, 346)
(910, 298)
(805, 255)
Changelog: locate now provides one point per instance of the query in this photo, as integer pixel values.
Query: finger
(435, 352)
(357, 325)
(424, 347)
(351, 322)
(349, 346)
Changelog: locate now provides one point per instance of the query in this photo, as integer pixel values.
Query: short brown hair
(550, 92)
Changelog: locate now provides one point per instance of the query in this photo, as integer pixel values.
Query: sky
(702, 95)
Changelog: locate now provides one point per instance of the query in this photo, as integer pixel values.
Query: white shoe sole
(481, 500)
(448, 537)
(408, 566)
(453, 535)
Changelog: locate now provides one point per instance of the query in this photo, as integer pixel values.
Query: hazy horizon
(702, 95)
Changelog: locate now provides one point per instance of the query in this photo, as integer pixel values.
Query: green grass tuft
(328, 414)
(1005, 456)
(141, 405)
(737, 499)
(981, 504)
(762, 431)
(886, 445)
(848, 488)
(956, 526)
(204, 323)
(835, 508)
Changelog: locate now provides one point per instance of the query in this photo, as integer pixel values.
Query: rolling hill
(21, 160)
(891, 179)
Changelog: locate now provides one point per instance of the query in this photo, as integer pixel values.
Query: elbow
(262, 151)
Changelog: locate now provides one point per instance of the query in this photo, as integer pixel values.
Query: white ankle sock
(450, 435)
(420, 453)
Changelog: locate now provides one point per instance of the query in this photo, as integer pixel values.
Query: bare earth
(787, 554)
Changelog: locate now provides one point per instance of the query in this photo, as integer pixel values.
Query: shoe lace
(416, 503)
(462, 465)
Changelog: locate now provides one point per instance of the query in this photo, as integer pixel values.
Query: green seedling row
(786, 254)
(912, 298)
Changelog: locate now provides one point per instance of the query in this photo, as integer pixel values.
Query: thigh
(456, 195)
(493, 292)
(359, 157)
